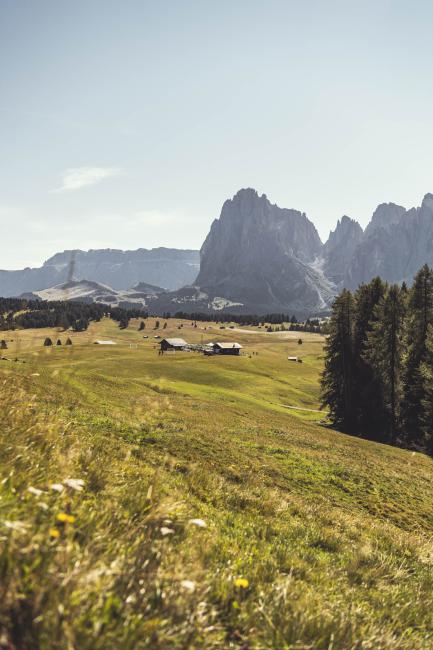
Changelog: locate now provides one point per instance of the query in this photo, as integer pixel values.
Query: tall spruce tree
(337, 377)
(383, 355)
(367, 402)
(419, 317)
(427, 401)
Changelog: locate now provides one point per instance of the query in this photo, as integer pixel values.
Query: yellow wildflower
(242, 583)
(54, 533)
(64, 518)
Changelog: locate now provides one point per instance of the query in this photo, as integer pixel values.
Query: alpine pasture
(191, 501)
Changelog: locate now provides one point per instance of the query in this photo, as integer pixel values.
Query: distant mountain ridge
(396, 243)
(167, 267)
(88, 291)
(257, 258)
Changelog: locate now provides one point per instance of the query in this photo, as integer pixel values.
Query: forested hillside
(21, 313)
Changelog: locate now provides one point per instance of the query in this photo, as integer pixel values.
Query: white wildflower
(19, 526)
(35, 491)
(58, 487)
(131, 599)
(189, 585)
(166, 531)
(198, 522)
(74, 483)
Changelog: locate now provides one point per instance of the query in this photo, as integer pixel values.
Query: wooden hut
(227, 348)
(172, 345)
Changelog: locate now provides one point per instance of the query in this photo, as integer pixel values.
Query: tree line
(240, 319)
(310, 325)
(19, 313)
(378, 375)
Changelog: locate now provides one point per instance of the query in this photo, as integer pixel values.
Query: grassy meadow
(184, 501)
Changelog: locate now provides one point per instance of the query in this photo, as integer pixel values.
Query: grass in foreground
(209, 517)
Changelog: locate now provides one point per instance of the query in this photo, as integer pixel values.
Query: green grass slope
(211, 515)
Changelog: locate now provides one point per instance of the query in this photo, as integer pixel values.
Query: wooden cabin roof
(175, 343)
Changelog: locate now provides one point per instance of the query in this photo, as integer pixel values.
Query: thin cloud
(78, 177)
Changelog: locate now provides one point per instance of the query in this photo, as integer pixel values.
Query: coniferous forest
(16, 313)
(378, 376)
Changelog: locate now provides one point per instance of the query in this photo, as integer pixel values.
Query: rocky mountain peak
(396, 245)
(345, 229)
(246, 197)
(428, 202)
(340, 247)
(385, 215)
(249, 220)
(256, 251)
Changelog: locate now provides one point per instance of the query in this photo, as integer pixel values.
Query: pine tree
(366, 299)
(63, 321)
(80, 325)
(420, 316)
(383, 354)
(427, 400)
(337, 378)
(367, 402)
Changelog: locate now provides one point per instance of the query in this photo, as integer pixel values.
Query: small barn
(227, 348)
(172, 345)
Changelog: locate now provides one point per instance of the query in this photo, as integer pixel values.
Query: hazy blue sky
(127, 123)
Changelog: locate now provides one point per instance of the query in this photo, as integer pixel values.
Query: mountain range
(141, 295)
(261, 258)
(257, 258)
(169, 268)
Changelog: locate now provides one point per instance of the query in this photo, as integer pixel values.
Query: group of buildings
(177, 344)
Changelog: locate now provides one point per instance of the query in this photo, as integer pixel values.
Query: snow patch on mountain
(325, 288)
(88, 291)
(219, 303)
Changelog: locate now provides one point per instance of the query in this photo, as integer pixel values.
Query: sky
(128, 123)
